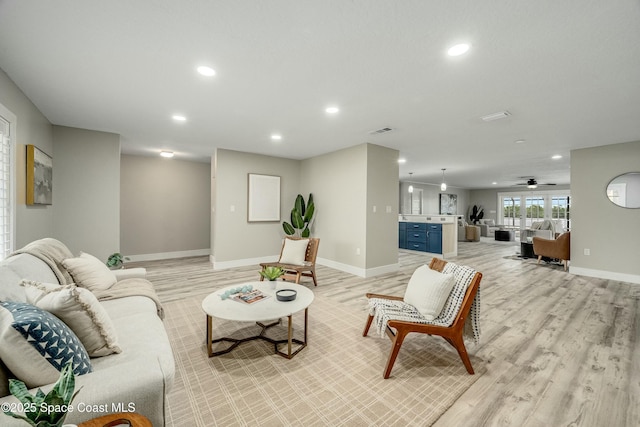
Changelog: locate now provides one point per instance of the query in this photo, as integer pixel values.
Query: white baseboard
(221, 265)
(361, 272)
(356, 271)
(602, 274)
(169, 255)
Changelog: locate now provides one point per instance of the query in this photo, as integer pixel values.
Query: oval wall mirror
(624, 190)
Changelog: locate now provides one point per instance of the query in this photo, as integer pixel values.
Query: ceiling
(568, 73)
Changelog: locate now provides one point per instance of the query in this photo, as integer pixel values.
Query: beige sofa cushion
(89, 272)
(79, 309)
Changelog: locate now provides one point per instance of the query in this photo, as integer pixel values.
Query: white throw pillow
(428, 291)
(80, 310)
(294, 251)
(89, 272)
(490, 222)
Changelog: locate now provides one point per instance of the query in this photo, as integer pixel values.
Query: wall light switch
(388, 209)
(375, 209)
(587, 251)
(357, 251)
(232, 208)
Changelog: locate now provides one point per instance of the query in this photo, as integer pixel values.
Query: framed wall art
(448, 204)
(264, 198)
(39, 177)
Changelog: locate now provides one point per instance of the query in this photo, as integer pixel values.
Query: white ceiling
(568, 72)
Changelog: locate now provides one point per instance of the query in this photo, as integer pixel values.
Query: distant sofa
(488, 227)
(140, 368)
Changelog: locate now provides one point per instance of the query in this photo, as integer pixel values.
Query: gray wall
(489, 198)
(382, 194)
(609, 231)
(32, 222)
(338, 181)
(346, 184)
(431, 198)
(234, 240)
(165, 207)
(86, 195)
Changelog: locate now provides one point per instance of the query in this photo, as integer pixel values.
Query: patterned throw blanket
(384, 310)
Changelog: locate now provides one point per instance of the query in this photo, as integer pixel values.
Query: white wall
(165, 207)
(86, 190)
(610, 232)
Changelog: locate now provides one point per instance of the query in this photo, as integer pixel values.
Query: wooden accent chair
(452, 334)
(295, 272)
(559, 248)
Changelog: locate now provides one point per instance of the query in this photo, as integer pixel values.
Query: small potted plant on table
(272, 273)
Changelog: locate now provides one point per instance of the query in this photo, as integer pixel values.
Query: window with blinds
(6, 193)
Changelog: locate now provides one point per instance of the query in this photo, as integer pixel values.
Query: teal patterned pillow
(35, 345)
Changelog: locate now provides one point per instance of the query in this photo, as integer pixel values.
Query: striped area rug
(336, 380)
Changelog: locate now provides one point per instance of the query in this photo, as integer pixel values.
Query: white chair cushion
(294, 251)
(79, 309)
(428, 291)
(89, 272)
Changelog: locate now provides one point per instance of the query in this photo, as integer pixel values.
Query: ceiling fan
(531, 182)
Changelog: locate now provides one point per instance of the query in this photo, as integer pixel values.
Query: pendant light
(410, 186)
(443, 186)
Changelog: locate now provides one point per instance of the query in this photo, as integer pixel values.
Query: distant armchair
(297, 259)
(559, 248)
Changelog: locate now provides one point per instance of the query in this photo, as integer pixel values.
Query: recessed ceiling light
(402, 160)
(179, 118)
(458, 49)
(494, 183)
(519, 141)
(276, 137)
(166, 154)
(206, 71)
(332, 110)
(556, 156)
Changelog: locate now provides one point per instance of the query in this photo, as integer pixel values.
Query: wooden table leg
(209, 336)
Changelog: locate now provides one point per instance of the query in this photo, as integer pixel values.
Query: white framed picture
(264, 198)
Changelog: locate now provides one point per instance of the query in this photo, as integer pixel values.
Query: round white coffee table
(267, 309)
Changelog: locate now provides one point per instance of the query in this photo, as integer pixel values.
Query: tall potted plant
(302, 216)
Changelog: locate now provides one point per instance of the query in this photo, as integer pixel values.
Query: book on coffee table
(250, 297)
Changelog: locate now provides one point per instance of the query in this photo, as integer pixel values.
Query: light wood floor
(556, 349)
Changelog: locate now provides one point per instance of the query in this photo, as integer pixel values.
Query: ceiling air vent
(379, 131)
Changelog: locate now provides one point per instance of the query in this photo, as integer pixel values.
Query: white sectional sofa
(136, 379)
